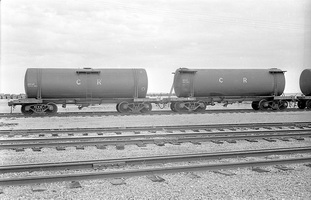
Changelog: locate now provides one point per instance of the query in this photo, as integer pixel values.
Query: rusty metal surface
(228, 82)
(86, 83)
(305, 82)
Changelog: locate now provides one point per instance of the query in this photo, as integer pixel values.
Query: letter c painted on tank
(78, 82)
(244, 80)
(221, 80)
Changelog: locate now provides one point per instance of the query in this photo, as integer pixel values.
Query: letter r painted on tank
(78, 82)
(99, 81)
(244, 80)
(221, 80)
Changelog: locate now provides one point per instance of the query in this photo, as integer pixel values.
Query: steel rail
(156, 128)
(124, 140)
(143, 172)
(150, 160)
(159, 135)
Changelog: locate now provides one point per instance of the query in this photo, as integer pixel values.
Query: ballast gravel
(245, 184)
(50, 155)
(153, 120)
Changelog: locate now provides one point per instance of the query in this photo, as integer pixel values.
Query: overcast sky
(160, 36)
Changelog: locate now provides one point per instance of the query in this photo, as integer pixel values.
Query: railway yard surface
(122, 138)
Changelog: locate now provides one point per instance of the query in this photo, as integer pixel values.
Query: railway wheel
(26, 109)
(201, 106)
(308, 104)
(117, 107)
(282, 104)
(180, 107)
(172, 106)
(274, 105)
(147, 108)
(123, 107)
(301, 104)
(52, 109)
(263, 104)
(255, 105)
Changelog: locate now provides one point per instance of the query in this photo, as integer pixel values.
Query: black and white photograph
(149, 100)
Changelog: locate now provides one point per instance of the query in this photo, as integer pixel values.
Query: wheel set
(302, 104)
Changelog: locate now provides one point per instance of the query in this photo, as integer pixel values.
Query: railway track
(154, 129)
(156, 112)
(95, 164)
(99, 164)
(159, 139)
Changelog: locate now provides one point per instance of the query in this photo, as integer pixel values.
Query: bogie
(126, 107)
(270, 105)
(198, 106)
(39, 108)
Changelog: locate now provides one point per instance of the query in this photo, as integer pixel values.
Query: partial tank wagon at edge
(195, 89)
(305, 87)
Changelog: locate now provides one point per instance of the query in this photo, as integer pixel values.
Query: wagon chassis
(144, 105)
(49, 106)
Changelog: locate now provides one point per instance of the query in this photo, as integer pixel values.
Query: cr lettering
(244, 80)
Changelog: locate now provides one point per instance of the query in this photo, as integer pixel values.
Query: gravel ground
(149, 120)
(131, 167)
(246, 184)
(10, 157)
